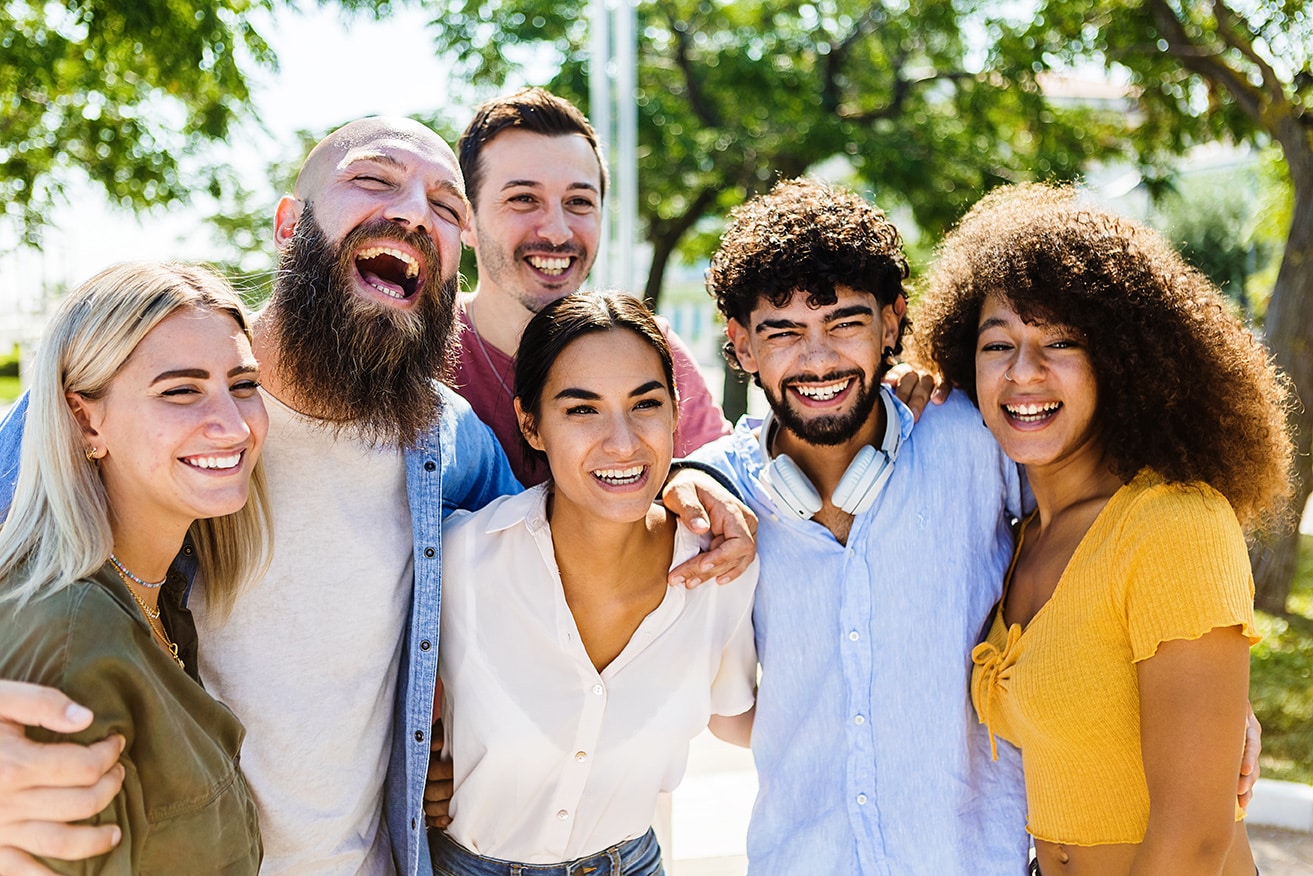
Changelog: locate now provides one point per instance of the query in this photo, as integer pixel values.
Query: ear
(286, 216)
(528, 427)
(741, 338)
(891, 320)
(86, 411)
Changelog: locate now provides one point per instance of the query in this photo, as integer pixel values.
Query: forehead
(518, 154)
(798, 308)
(613, 355)
(405, 154)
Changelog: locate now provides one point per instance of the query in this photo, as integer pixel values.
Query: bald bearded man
(331, 660)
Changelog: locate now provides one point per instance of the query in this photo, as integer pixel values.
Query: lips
(1031, 412)
(620, 477)
(215, 462)
(389, 269)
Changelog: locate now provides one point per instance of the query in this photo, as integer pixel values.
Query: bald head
(372, 135)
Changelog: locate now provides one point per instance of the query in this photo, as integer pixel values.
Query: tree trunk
(1289, 328)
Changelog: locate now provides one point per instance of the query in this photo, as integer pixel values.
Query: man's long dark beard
(367, 369)
(830, 430)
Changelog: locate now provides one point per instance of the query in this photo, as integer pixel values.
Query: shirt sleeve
(700, 418)
(474, 466)
(1187, 569)
(734, 688)
(11, 445)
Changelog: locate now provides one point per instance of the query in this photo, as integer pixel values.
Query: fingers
(437, 793)
(36, 706)
(1249, 769)
(37, 805)
(50, 840)
(681, 498)
(724, 561)
(25, 765)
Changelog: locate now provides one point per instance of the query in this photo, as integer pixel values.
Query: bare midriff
(1060, 859)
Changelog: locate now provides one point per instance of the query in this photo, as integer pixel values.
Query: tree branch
(697, 100)
(1229, 26)
(1205, 63)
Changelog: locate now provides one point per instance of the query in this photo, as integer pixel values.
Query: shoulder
(519, 511)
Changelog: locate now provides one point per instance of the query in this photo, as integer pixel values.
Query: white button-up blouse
(554, 760)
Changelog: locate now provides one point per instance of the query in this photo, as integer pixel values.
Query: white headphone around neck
(860, 485)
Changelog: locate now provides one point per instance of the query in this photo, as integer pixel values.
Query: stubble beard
(366, 369)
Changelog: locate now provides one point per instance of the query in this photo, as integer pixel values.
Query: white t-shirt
(554, 760)
(309, 658)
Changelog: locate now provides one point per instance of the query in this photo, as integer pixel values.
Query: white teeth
(549, 265)
(391, 293)
(412, 266)
(1030, 413)
(214, 462)
(619, 475)
(821, 391)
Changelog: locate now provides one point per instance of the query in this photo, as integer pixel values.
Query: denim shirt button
(419, 735)
(425, 645)
(430, 553)
(430, 465)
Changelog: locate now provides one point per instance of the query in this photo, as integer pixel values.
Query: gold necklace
(152, 618)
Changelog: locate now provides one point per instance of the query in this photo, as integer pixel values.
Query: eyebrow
(535, 184)
(201, 373)
(992, 322)
(840, 313)
(397, 164)
(589, 395)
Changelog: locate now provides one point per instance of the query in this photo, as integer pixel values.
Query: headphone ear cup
(862, 481)
(790, 487)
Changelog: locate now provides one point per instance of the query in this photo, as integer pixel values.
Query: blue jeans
(636, 857)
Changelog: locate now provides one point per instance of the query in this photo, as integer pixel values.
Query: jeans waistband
(640, 856)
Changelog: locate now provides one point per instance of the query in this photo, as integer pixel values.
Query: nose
(817, 352)
(1027, 365)
(227, 419)
(410, 208)
(621, 437)
(554, 227)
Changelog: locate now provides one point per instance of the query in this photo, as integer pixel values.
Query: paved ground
(710, 817)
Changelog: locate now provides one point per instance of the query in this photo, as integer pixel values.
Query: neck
(264, 346)
(146, 548)
(498, 318)
(579, 538)
(1064, 485)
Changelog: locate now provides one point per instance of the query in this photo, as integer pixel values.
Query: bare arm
(734, 729)
(1193, 707)
(45, 786)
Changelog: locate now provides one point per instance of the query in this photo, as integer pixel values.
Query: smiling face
(1036, 388)
(180, 426)
(819, 367)
(391, 191)
(537, 216)
(606, 421)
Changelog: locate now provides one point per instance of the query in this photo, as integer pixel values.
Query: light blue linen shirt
(869, 756)
(457, 465)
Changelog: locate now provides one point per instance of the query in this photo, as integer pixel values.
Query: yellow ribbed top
(1160, 562)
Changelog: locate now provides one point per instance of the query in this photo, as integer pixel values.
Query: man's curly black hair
(806, 237)
(1184, 387)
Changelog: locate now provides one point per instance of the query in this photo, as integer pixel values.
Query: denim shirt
(457, 465)
(869, 756)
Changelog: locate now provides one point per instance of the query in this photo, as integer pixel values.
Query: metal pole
(625, 161)
(599, 105)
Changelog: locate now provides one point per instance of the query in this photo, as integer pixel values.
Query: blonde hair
(58, 527)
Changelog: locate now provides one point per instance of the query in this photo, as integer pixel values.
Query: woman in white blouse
(573, 676)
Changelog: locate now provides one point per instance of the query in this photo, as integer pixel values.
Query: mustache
(545, 248)
(830, 377)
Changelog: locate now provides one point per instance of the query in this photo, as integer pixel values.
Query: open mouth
(224, 462)
(391, 271)
(552, 266)
(620, 477)
(822, 392)
(1032, 413)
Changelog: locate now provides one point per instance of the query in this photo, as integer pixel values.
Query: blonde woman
(144, 428)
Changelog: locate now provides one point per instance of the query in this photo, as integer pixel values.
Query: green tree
(118, 93)
(1204, 71)
(732, 96)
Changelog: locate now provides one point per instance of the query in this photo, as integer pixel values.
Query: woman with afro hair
(1151, 427)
